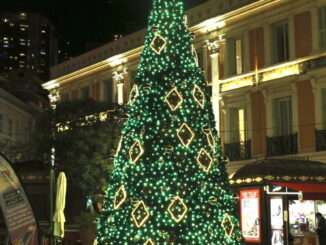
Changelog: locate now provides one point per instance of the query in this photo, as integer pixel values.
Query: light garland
(149, 242)
(204, 160)
(227, 225)
(158, 44)
(133, 94)
(199, 96)
(120, 197)
(185, 134)
(140, 214)
(136, 151)
(177, 203)
(174, 99)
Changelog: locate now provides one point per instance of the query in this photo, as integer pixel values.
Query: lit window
(235, 54)
(22, 54)
(237, 125)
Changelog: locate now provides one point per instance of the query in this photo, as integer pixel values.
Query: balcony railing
(282, 145)
(321, 140)
(238, 151)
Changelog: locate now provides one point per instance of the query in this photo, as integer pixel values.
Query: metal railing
(282, 145)
(238, 151)
(321, 140)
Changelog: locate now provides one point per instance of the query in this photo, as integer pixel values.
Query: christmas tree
(169, 184)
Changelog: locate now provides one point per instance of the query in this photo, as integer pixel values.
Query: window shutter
(234, 125)
(231, 55)
(276, 117)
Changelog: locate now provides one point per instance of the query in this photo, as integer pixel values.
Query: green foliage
(85, 151)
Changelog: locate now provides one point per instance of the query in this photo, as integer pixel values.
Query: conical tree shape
(169, 185)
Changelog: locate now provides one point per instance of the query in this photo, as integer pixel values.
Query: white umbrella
(60, 203)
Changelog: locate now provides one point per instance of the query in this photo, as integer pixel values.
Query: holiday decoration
(169, 184)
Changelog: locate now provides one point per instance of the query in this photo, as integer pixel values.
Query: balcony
(282, 145)
(238, 151)
(321, 140)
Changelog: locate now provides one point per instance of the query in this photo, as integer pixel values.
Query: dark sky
(89, 21)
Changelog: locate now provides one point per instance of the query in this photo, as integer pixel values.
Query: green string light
(171, 186)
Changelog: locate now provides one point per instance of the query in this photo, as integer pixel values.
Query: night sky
(87, 22)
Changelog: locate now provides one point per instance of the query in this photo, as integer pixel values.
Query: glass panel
(277, 221)
(10, 127)
(282, 42)
(234, 125)
(322, 27)
(285, 120)
(238, 56)
(242, 134)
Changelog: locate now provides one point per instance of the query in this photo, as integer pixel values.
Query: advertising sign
(18, 214)
(277, 221)
(250, 215)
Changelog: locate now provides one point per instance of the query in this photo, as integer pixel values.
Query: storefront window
(277, 221)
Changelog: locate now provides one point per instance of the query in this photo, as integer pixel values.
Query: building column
(213, 48)
(119, 80)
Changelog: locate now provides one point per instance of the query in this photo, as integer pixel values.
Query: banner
(16, 209)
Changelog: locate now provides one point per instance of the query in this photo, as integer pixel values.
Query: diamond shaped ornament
(204, 160)
(149, 242)
(199, 96)
(227, 225)
(140, 214)
(185, 134)
(174, 99)
(120, 197)
(133, 94)
(136, 151)
(210, 139)
(158, 43)
(177, 209)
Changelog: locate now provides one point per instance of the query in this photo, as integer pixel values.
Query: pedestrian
(321, 229)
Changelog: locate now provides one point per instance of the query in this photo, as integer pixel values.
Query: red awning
(311, 191)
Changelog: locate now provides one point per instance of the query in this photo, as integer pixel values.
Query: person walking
(321, 229)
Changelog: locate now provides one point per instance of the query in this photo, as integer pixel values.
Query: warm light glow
(281, 71)
(140, 151)
(139, 206)
(177, 201)
(174, 92)
(239, 82)
(149, 242)
(203, 154)
(120, 93)
(116, 60)
(211, 24)
(242, 137)
(121, 191)
(225, 220)
(186, 141)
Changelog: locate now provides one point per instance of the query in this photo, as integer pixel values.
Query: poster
(18, 214)
(250, 215)
(277, 221)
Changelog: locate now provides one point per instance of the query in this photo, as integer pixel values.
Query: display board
(250, 215)
(15, 206)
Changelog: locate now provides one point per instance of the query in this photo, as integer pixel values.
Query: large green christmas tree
(169, 184)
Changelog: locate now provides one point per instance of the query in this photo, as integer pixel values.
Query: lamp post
(54, 97)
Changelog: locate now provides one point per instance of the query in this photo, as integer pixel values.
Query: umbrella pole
(52, 177)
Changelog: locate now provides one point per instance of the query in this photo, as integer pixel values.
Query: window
(322, 27)
(280, 40)
(10, 127)
(108, 90)
(1, 123)
(64, 97)
(200, 57)
(17, 129)
(235, 54)
(237, 125)
(85, 93)
(324, 106)
(282, 115)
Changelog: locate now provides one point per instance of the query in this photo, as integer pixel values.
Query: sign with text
(250, 215)
(16, 209)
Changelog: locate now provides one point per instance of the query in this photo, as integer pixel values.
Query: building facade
(263, 59)
(27, 42)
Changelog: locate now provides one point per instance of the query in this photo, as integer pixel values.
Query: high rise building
(27, 41)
